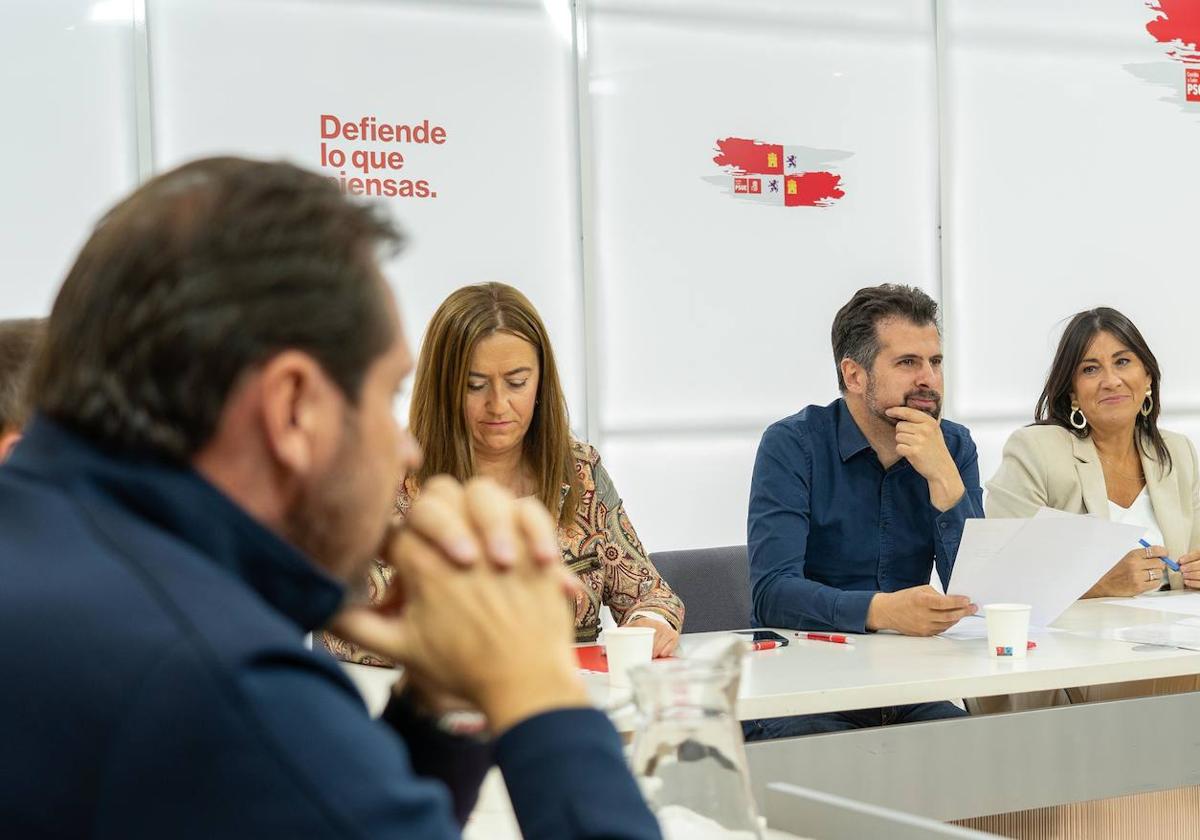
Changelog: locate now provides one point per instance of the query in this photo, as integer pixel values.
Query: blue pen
(1171, 564)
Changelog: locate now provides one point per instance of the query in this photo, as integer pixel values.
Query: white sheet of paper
(1046, 562)
(971, 627)
(1178, 635)
(975, 627)
(1182, 604)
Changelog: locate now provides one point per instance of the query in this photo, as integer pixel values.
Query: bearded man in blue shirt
(854, 504)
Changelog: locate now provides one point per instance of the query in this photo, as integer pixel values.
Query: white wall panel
(1184, 424)
(68, 141)
(685, 492)
(716, 311)
(254, 76)
(1068, 159)
(990, 437)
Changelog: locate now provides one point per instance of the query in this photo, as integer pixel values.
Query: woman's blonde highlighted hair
(437, 417)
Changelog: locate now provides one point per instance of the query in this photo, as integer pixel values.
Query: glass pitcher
(688, 752)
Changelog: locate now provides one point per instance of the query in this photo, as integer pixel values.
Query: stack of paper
(1046, 562)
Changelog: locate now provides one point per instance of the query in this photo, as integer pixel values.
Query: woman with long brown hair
(487, 401)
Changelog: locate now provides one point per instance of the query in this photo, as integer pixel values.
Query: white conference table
(990, 764)
(884, 669)
(963, 767)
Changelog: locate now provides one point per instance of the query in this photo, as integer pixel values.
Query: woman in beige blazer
(1096, 448)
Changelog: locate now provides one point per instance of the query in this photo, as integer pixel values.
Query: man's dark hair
(199, 276)
(855, 331)
(19, 342)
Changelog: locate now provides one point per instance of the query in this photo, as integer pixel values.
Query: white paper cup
(627, 647)
(1007, 629)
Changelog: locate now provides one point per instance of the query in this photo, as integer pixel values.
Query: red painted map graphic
(813, 189)
(1178, 26)
(750, 155)
(772, 173)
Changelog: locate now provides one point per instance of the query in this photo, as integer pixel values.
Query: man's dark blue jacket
(155, 682)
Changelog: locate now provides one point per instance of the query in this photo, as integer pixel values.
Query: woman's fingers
(665, 642)
(1189, 567)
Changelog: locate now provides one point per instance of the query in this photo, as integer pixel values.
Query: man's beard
(323, 523)
(875, 408)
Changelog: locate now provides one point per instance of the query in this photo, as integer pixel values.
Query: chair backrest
(714, 584)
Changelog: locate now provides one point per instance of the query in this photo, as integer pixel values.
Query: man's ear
(301, 411)
(854, 375)
(8, 440)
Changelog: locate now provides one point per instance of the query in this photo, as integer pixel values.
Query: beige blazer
(1047, 466)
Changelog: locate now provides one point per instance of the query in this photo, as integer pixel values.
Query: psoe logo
(1192, 84)
(747, 186)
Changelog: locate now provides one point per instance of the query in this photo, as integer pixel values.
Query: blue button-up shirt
(829, 526)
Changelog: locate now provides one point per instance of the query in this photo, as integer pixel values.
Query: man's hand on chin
(919, 439)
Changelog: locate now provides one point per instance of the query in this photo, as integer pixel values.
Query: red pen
(836, 638)
(764, 645)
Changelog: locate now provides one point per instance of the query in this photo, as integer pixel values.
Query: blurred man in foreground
(212, 460)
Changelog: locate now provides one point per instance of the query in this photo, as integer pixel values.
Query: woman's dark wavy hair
(1054, 405)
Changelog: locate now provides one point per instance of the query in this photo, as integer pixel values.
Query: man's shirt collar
(179, 501)
(851, 440)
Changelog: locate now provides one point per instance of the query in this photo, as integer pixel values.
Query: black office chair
(714, 584)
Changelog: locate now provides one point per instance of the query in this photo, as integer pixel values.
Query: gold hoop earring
(1082, 424)
(1147, 404)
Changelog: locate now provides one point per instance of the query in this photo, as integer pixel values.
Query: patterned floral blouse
(599, 545)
